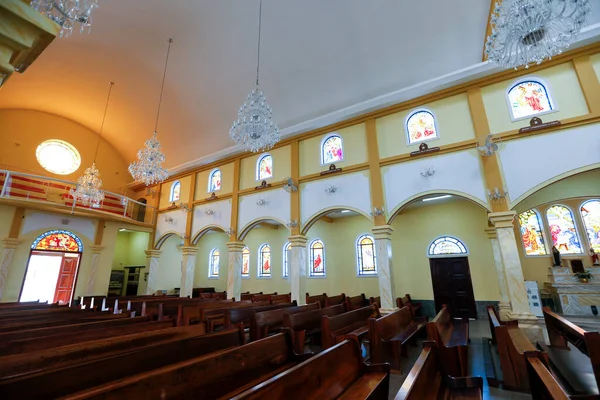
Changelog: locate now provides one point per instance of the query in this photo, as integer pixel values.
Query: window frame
(536, 79)
(584, 251)
(259, 270)
(448, 255)
(172, 191)
(210, 264)
(435, 125)
(542, 230)
(359, 260)
(247, 276)
(587, 236)
(311, 263)
(286, 270)
(210, 176)
(262, 157)
(322, 152)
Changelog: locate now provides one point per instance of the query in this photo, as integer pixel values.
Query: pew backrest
(335, 300)
(319, 298)
(335, 328)
(282, 298)
(265, 321)
(354, 302)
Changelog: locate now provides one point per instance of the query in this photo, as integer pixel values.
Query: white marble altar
(576, 298)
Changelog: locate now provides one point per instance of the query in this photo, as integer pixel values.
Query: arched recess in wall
(161, 240)
(430, 194)
(254, 223)
(321, 213)
(198, 235)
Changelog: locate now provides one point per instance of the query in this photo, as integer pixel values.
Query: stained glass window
(246, 262)
(421, 126)
(317, 258)
(332, 150)
(175, 192)
(214, 181)
(58, 157)
(590, 212)
(264, 261)
(264, 168)
(563, 230)
(531, 233)
(365, 255)
(58, 240)
(213, 270)
(528, 98)
(286, 249)
(447, 245)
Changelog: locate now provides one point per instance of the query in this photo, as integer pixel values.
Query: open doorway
(52, 268)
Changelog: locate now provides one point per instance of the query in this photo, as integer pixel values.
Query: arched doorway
(52, 268)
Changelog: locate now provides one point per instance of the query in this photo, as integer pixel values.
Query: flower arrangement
(584, 276)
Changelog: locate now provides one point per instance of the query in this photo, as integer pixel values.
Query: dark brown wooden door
(66, 279)
(452, 286)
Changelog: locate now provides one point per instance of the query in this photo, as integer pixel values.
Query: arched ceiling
(317, 57)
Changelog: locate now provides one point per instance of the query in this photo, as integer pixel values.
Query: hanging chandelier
(88, 190)
(148, 168)
(526, 32)
(254, 129)
(69, 14)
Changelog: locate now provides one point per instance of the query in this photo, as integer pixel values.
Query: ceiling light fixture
(254, 129)
(526, 32)
(148, 168)
(67, 13)
(88, 190)
(445, 196)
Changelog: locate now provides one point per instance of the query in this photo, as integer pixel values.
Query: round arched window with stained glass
(58, 157)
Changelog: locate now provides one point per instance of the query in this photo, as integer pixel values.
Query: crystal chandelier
(148, 168)
(526, 32)
(67, 13)
(88, 190)
(254, 129)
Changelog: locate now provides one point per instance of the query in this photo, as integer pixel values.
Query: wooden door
(66, 279)
(452, 286)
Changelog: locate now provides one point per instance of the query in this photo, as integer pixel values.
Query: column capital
(382, 232)
(298, 240)
(491, 232)
(502, 219)
(96, 249)
(235, 247)
(10, 243)
(189, 250)
(153, 253)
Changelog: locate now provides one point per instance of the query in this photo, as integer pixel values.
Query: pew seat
(352, 324)
(452, 337)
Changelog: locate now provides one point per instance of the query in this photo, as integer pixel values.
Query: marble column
(9, 245)
(91, 280)
(383, 253)
(188, 265)
(504, 303)
(152, 259)
(298, 266)
(234, 270)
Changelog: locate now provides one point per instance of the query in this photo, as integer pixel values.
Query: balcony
(41, 192)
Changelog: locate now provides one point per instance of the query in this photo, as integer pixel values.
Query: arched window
(420, 126)
(527, 98)
(332, 149)
(317, 258)
(214, 181)
(447, 246)
(175, 192)
(246, 262)
(286, 248)
(563, 231)
(590, 213)
(58, 240)
(264, 261)
(213, 262)
(264, 167)
(531, 233)
(365, 256)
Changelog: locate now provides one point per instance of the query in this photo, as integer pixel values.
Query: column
(234, 270)
(504, 304)
(152, 258)
(188, 265)
(298, 265)
(513, 271)
(9, 244)
(91, 281)
(383, 253)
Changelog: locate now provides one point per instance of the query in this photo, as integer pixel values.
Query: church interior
(321, 199)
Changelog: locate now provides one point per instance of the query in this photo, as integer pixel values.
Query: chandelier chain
(162, 87)
(111, 84)
(258, 49)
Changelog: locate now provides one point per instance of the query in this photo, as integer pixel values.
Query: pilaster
(234, 270)
(91, 281)
(383, 252)
(152, 259)
(504, 304)
(298, 267)
(188, 265)
(8, 252)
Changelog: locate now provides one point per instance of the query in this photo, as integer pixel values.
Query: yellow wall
(453, 122)
(596, 63)
(6, 217)
(281, 167)
(29, 128)
(354, 149)
(169, 267)
(564, 89)
(227, 183)
(206, 243)
(165, 193)
(415, 229)
(129, 251)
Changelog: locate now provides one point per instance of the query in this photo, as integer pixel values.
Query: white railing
(43, 189)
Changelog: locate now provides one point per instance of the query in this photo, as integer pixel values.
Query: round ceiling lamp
(58, 157)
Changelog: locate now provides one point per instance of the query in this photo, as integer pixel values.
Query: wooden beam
(377, 200)
(235, 199)
(190, 214)
(99, 232)
(295, 196)
(588, 81)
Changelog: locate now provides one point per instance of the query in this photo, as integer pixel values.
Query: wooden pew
(407, 301)
(544, 385)
(69, 379)
(352, 324)
(242, 317)
(316, 379)
(389, 335)
(356, 302)
(307, 325)
(54, 321)
(426, 380)
(282, 298)
(219, 375)
(248, 295)
(319, 298)
(335, 300)
(264, 322)
(262, 298)
(376, 300)
(452, 337)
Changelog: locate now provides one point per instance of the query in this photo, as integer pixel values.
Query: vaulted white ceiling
(317, 57)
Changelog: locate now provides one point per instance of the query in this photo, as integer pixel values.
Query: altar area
(575, 297)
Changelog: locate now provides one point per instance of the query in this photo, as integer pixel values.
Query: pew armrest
(381, 368)
(463, 382)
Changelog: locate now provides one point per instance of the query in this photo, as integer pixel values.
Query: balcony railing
(45, 190)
